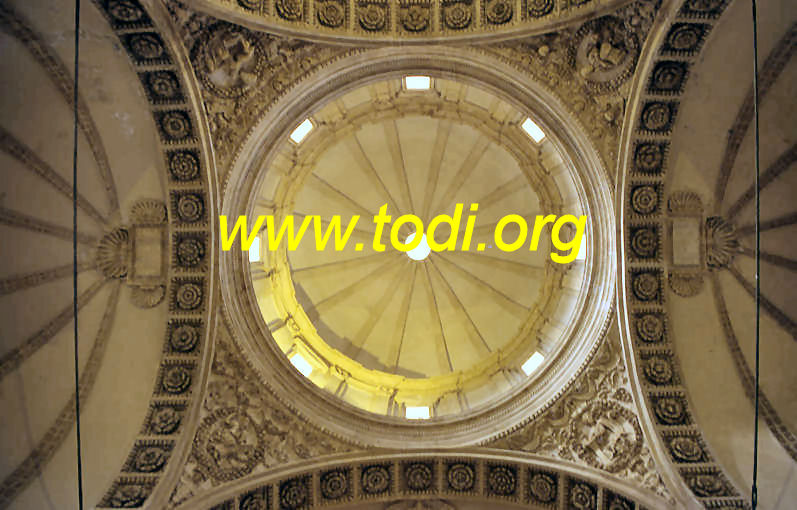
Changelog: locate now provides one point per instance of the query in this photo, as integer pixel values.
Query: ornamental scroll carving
(137, 253)
(588, 68)
(243, 72)
(243, 428)
(593, 423)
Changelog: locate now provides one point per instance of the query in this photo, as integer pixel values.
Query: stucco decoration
(244, 429)
(418, 21)
(585, 67)
(594, 423)
(589, 68)
(697, 246)
(164, 255)
(137, 253)
(474, 480)
(242, 73)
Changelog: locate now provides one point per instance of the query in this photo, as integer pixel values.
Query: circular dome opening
(421, 251)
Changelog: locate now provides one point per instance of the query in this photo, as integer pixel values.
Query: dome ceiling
(452, 330)
(690, 251)
(121, 199)
(186, 112)
(712, 304)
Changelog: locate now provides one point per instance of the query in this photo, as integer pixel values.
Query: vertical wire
(74, 255)
(757, 256)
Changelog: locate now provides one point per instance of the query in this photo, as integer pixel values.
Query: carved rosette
(645, 242)
(129, 495)
(684, 38)
(290, 10)
(646, 286)
(668, 77)
(176, 379)
(254, 501)
(190, 207)
(251, 5)
(418, 476)
(461, 477)
(184, 337)
(335, 484)
(330, 13)
(649, 328)
(658, 370)
(582, 496)
(146, 48)
(164, 420)
(658, 116)
(703, 8)
(294, 493)
(543, 487)
(150, 459)
(457, 15)
(686, 449)
(649, 157)
(183, 165)
(670, 410)
(175, 126)
(502, 480)
(126, 12)
(163, 87)
(498, 12)
(540, 8)
(415, 16)
(372, 16)
(375, 479)
(645, 199)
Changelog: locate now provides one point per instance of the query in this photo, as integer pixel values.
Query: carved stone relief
(244, 429)
(242, 72)
(469, 481)
(232, 442)
(137, 253)
(694, 249)
(589, 68)
(306, 17)
(593, 423)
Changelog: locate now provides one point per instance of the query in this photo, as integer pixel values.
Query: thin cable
(757, 255)
(74, 255)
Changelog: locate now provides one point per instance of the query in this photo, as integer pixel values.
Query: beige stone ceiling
(712, 155)
(384, 312)
(119, 342)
